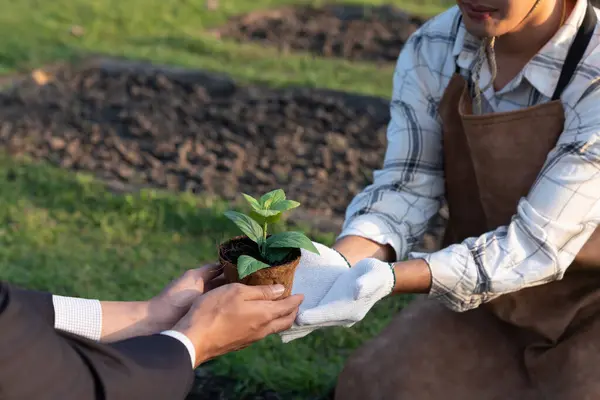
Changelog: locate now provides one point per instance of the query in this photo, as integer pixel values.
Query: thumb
(262, 292)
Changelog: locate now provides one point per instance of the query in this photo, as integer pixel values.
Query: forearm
(532, 250)
(356, 248)
(126, 319)
(105, 321)
(413, 276)
(151, 367)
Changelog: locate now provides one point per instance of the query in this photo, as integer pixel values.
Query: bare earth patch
(139, 125)
(200, 133)
(353, 32)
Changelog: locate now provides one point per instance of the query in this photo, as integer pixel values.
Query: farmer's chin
(483, 28)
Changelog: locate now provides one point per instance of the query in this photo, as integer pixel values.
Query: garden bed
(138, 125)
(199, 133)
(353, 32)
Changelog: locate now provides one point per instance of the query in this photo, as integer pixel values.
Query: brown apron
(542, 342)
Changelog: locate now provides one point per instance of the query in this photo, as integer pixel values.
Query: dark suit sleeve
(38, 302)
(37, 362)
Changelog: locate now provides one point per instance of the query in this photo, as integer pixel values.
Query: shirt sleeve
(145, 367)
(82, 317)
(549, 228)
(406, 193)
(186, 342)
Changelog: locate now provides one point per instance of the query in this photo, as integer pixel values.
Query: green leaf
(284, 205)
(267, 213)
(269, 220)
(291, 240)
(275, 255)
(272, 197)
(253, 202)
(247, 225)
(247, 265)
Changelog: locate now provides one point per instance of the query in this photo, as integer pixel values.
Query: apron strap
(456, 67)
(576, 51)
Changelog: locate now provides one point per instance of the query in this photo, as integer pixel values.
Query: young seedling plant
(272, 249)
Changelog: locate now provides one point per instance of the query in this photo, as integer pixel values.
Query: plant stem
(264, 249)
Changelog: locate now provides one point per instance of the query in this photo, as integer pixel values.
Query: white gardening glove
(314, 276)
(351, 296)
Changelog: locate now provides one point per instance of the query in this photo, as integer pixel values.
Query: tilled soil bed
(353, 32)
(144, 126)
(207, 137)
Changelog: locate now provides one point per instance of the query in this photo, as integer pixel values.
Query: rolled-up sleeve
(406, 193)
(550, 226)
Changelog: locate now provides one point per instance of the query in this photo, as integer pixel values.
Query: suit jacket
(38, 362)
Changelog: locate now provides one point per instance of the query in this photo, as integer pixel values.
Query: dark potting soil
(353, 32)
(230, 251)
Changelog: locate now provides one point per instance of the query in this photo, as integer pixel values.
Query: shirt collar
(543, 70)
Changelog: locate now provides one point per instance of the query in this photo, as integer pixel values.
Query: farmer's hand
(352, 295)
(233, 316)
(313, 278)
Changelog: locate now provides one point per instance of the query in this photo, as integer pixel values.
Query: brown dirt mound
(354, 32)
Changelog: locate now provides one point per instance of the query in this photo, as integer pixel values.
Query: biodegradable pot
(281, 273)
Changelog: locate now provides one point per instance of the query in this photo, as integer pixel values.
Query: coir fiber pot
(280, 273)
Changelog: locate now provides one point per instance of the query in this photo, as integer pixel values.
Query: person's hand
(352, 295)
(233, 316)
(314, 276)
(175, 300)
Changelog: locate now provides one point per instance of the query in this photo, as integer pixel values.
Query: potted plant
(257, 257)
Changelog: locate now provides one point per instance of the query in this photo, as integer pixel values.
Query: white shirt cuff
(186, 342)
(82, 317)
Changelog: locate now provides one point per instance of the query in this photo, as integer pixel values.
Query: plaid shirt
(551, 224)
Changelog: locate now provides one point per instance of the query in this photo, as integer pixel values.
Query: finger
(215, 283)
(262, 292)
(281, 308)
(281, 324)
(242, 347)
(207, 272)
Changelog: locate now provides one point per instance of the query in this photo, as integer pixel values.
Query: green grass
(34, 32)
(65, 233)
